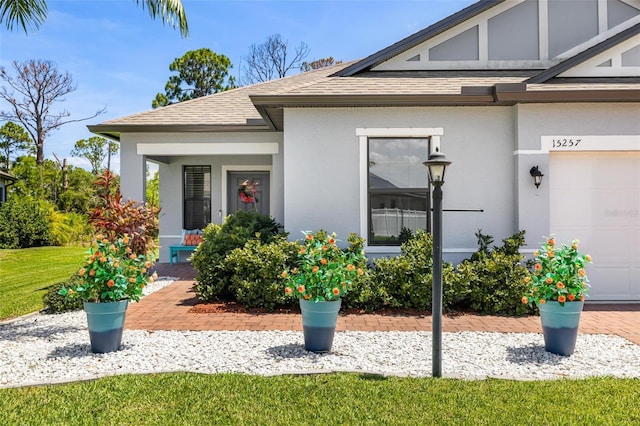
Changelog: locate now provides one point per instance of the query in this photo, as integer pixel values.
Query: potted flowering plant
(558, 285)
(112, 276)
(323, 274)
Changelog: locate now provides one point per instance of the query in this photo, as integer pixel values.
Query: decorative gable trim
(417, 38)
(462, 46)
(593, 61)
(497, 35)
(621, 61)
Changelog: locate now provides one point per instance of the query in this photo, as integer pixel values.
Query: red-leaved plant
(115, 218)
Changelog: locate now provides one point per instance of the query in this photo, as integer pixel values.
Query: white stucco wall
(537, 120)
(321, 172)
(132, 170)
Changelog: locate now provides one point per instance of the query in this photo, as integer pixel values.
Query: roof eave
(499, 94)
(384, 100)
(514, 95)
(6, 176)
(113, 131)
(270, 105)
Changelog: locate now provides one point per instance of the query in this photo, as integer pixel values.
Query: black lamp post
(437, 165)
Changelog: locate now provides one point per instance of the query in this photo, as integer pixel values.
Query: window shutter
(197, 197)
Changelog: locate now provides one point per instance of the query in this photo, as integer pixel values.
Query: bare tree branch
(40, 85)
(271, 60)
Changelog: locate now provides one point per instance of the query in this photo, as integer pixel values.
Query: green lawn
(193, 399)
(26, 273)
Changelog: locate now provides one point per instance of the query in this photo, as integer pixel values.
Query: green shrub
(407, 279)
(56, 303)
(366, 293)
(24, 223)
(255, 271)
(496, 276)
(69, 228)
(213, 280)
(75, 201)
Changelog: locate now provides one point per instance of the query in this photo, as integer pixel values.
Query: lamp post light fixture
(437, 165)
(537, 176)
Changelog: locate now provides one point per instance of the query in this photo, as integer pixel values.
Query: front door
(248, 191)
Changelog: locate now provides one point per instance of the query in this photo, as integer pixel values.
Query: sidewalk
(169, 309)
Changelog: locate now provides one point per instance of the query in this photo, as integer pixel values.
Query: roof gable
(622, 60)
(514, 34)
(618, 56)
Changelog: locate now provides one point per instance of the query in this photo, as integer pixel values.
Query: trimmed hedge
(213, 281)
(243, 258)
(255, 271)
(406, 280)
(496, 277)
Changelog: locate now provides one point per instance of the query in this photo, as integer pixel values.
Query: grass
(187, 399)
(25, 275)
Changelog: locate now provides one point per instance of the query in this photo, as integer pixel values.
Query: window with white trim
(398, 189)
(197, 197)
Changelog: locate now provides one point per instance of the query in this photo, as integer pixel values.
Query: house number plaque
(590, 143)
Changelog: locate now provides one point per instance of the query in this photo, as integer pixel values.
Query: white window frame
(363, 140)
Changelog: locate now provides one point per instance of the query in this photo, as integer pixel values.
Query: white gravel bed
(161, 282)
(41, 349)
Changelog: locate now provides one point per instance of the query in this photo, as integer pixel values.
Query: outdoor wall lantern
(436, 165)
(537, 176)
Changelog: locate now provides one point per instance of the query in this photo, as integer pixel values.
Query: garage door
(595, 197)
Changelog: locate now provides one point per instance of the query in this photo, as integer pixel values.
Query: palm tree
(32, 13)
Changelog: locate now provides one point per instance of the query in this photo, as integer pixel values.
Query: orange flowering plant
(112, 272)
(323, 271)
(558, 274)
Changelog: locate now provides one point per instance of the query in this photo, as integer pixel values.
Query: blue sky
(119, 57)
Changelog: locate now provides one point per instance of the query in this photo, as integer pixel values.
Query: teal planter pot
(319, 324)
(560, 326)
(106, 322)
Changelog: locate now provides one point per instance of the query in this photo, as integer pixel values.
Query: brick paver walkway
(168, 309)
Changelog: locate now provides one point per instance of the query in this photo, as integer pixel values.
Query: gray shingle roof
(230, 108)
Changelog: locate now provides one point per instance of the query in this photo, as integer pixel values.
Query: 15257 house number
(565, 143)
